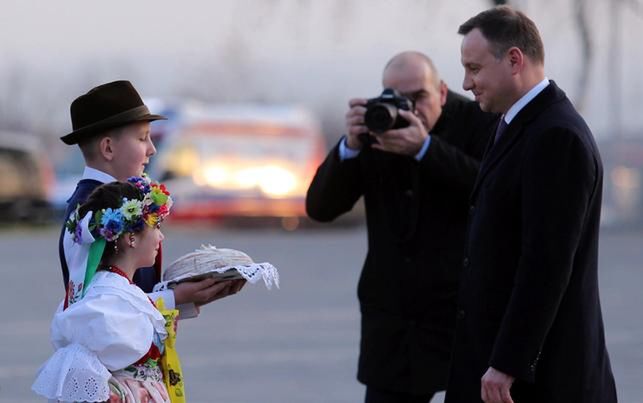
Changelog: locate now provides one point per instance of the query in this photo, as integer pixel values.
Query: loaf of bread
(223, 263)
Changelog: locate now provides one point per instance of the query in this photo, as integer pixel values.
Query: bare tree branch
(587, 53)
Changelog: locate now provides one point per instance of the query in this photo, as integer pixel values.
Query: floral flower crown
(130, 216)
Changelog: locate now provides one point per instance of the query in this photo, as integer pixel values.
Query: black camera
(382, 112)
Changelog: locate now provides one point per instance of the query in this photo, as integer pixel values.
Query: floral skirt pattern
(138, 384)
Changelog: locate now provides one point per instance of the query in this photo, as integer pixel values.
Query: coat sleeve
(455, 162)
(561, 177)
(335, 188)
(453, 167)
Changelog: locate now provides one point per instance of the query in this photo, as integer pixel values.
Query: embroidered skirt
(138, 384)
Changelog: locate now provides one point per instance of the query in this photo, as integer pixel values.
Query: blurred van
(241, 161)
(26, 178)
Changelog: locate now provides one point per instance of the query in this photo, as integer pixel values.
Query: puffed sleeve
(106, 324)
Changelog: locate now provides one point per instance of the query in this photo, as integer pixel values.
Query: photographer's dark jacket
(416, 213)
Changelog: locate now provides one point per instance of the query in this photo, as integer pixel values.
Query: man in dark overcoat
(529, 325)
(416, 183)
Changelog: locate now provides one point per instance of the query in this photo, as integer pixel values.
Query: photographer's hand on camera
(355, 123)
(405, 141)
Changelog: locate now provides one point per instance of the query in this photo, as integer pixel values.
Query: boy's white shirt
(186, 311)
(110, 328)
(100, 176)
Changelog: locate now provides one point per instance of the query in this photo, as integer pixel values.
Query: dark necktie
(500, 129)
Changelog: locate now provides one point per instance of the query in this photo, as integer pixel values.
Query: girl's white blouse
(109, 329)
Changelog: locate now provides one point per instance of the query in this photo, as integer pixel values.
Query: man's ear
(106, 148)
(444, 90)
(516, 59)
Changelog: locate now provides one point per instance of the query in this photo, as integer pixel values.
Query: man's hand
(355, 123)
(496, 386)
(205, 291)
(406, 141)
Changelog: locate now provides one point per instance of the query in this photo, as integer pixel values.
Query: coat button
(407, 259)
(472, 209)
(465, 262)
(460, 314)
(408, 193)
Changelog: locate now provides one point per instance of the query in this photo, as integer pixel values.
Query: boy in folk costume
(108, 334)
(111, 125)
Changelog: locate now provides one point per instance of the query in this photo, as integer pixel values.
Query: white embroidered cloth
(110, 328)
(210, 260)
(73, 374)
(76, 254)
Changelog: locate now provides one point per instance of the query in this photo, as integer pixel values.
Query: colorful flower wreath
(130, 216)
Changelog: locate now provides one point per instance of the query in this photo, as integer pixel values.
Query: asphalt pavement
(294, 344)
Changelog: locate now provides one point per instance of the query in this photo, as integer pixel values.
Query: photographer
(416, 180)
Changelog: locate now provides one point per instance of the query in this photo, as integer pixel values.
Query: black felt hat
(106, 107)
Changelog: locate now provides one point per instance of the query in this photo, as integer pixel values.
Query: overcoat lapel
(497, 151)
(515, 130)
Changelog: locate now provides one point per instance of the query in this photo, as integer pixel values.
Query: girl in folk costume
(109, 336)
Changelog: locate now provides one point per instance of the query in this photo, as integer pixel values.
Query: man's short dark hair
(504, 28)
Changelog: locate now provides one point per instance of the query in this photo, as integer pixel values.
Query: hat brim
(140, 114)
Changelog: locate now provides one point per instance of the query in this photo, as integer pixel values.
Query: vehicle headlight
(273, 180)
(215, 175)
(276, 181)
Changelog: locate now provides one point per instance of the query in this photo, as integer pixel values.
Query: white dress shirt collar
(522, 102)
(95, 174)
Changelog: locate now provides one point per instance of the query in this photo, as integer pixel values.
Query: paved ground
(297, 344)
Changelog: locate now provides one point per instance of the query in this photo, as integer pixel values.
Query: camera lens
(380, 117)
